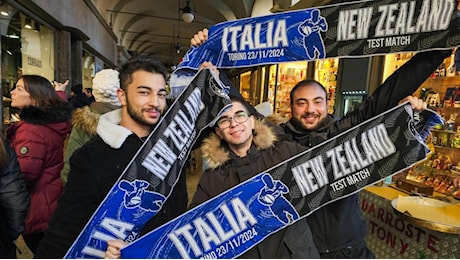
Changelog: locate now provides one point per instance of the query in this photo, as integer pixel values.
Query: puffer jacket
(84, 124)
(95, 168)
(228, 170)
(14, 201)
(341, 224)
(38, 140)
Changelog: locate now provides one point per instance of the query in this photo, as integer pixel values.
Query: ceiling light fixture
(13, 36)
(187, 13)
(178, 45)
(4, 13)
(28, 24)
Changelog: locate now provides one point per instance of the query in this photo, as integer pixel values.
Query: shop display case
(282, 79)
(440, 91)
(326, 73)
(444, 164)
(245, 85)
(272, 84)
(251, 84)
(430, 179)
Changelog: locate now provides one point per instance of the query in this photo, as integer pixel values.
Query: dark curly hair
(146, 63)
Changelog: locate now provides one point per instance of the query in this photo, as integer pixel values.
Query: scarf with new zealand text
(228, 225)
(353, 29)
(149, 178)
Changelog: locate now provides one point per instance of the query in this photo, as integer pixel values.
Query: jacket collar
(216, 153)
(296, 128)
(110, 131)
(46, 115)
(87, 117)
(57, 119)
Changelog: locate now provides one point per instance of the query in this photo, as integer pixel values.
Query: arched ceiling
(156, 27)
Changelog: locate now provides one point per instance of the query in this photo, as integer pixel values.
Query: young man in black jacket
(241, 147)
(339, 228)
(97, 165)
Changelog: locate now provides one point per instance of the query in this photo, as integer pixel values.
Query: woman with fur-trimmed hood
(240, 148)
(38, 140)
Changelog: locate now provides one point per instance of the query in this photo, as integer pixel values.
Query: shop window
(326, 73)
(27, 47)
(394, 61)
(88, 69)
(282, 79)
(245, 85)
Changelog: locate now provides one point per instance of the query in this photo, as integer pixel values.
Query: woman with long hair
(38, 140)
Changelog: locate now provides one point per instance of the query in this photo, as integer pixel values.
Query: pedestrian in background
(85, 119)
(77, 97)
(339, 228)
(89, 94)
(14, 200)
(38, 141)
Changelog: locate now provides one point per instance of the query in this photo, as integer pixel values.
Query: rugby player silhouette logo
(311, 30)
(215, 89)
(271, 195)
(136, 195)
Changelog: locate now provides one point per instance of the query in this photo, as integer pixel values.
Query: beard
(299, 125)
(138, 117)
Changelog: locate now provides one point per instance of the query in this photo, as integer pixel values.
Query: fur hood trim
(110, 131)
(47, 115)
(216, 153)
(87, 117)
(86, 120)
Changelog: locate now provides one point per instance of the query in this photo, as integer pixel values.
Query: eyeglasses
(239, 117)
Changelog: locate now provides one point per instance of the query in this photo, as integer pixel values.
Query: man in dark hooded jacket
(339, 228)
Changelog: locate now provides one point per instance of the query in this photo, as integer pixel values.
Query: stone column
(77, 60)
(64, 65)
